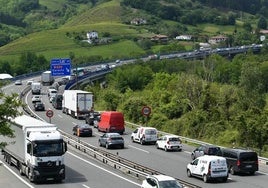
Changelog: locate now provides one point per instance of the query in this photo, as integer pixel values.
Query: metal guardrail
(262, 160)
(117, 162)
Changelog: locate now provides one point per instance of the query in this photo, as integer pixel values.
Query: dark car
(39, 106)
(111, 139)
(206, 150)
(82, 130)
(241, 160)
(91, 117)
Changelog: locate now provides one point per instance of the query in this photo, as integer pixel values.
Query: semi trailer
(37, 150)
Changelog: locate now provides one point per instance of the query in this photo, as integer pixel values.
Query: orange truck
(112, 121)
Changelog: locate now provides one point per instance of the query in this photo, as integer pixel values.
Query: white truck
(47, 78)
(38, 150)
(77, 103)
(36, 88)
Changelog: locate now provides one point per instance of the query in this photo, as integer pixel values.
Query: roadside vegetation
(215, 100)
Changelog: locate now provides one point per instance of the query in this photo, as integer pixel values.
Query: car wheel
(107, 146)
(132, 139)
(192, 156)
(165, 149)
(157, 146)
(189, 174)
(122, 146)
(252, 172)
(205, 178)
(100, 144)
(225, 179)
(232, 171)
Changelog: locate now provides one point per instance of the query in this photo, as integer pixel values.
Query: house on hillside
(92, 36)
(217, 39)
(159, 38)
(183, 37)
(138, 21)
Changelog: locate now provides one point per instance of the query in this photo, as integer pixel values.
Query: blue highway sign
(60, 67)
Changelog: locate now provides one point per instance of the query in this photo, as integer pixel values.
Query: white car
(144, 135)
(208, 167)
(36, 98)
(160, 181)
(169, 142)
(18, 82)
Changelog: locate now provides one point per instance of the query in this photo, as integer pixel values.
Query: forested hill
(19, 18)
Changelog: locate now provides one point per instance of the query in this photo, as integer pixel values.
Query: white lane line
(138, 149)
(85, 186)
(74, 123)
(20, 178)
(60, 115)
(101, 168)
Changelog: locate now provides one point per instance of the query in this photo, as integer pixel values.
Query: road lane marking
(139, 149)
(85, 186)
(60, 115)
(101, 168)
(20, 178)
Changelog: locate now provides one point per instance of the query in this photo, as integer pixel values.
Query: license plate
(248, 166)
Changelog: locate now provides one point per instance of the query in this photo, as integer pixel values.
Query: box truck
(36, 88)
(77, 103)
(47, 78)
(37, 151)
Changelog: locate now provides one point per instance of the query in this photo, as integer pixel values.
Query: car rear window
(150, 131)
(214, 151)
(117, 138)
(174, 139)
(248, 156)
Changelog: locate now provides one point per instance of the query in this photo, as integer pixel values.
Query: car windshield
(169, 184)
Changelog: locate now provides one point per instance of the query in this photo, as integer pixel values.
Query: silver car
(109, 140)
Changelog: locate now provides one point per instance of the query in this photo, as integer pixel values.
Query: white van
(208, 167)
(144, 135)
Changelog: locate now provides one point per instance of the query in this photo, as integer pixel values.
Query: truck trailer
(47, 78)
(37, 151)
(36, 88)
(77, 103)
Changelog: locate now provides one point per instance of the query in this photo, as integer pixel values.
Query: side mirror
(65, 146)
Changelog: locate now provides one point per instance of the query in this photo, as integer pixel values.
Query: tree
(262, 23)
(8, 108)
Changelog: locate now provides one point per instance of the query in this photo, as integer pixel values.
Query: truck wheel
(20, 170)
(205, 178)
(189, 174)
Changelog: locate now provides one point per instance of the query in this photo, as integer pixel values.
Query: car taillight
(238, 163)
(209, 168)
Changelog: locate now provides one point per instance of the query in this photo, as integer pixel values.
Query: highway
(82, 172)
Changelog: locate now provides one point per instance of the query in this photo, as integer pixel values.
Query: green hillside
(104, 18)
